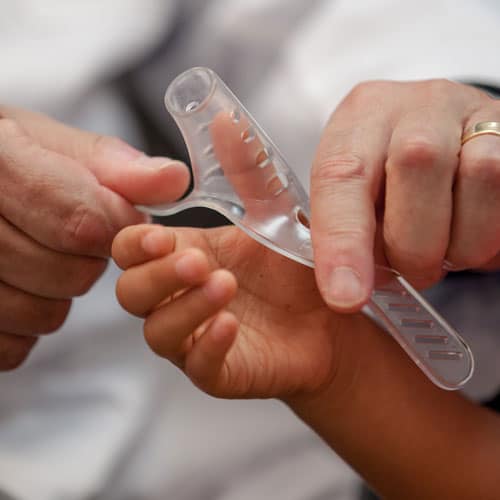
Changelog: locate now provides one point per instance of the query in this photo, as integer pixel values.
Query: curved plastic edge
(378, 315)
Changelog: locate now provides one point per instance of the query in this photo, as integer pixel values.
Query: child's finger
(167, 328)
(141, 288)
(205, 363)
(137, 244)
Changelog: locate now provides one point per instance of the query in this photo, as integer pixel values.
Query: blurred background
(93, 414)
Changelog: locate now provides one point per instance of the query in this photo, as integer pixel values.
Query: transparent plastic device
(240, 173)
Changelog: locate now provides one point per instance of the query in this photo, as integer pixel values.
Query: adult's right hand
(64, 194)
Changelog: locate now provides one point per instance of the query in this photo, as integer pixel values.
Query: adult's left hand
(65, 193)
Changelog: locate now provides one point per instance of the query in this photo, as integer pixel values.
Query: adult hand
(64, 195)
(390, 174)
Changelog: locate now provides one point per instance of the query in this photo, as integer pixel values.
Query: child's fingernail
(345, 288)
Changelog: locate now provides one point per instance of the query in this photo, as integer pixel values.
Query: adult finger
(421, 164)
(475, 237)
(345, 180)
(36, 269)
(23, 313)
(120, 167)
(56, 200)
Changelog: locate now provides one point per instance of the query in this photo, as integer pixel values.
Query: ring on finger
(481, 128)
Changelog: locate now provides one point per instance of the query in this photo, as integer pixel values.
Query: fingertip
(139, 178)
(345, 279)
(157, 240)
(205, 363)
(346, 291)
(119, 246)
(137, 244)
(224, 329)
(345, 265)
(169, 181)
(121, 292)
(158, 180)
(192, 267)
(221, 286)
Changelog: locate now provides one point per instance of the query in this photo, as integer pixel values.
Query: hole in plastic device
(239, 172)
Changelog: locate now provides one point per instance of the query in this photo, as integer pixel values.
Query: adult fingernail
(157, 162)
(345, 289)
(118, 150)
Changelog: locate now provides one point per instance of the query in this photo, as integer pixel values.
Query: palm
(288, 339)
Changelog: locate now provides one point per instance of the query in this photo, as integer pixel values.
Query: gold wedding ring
(481, 128)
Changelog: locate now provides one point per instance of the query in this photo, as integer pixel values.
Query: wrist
(361, 349)
(387, 420)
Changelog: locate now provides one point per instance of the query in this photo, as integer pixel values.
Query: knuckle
(102, 143)
(441, 92)
(416, 152)
(347, 236)
(437, 89)
(86, 231)
(442, 86)
(340, 168)
(367, 90)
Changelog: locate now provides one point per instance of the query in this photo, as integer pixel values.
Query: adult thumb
(140, 179)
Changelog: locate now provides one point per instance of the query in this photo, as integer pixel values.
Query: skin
(390, 179)
(244, 322)
(390, 173)
(65, 193)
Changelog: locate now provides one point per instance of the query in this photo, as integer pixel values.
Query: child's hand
(287, 341)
